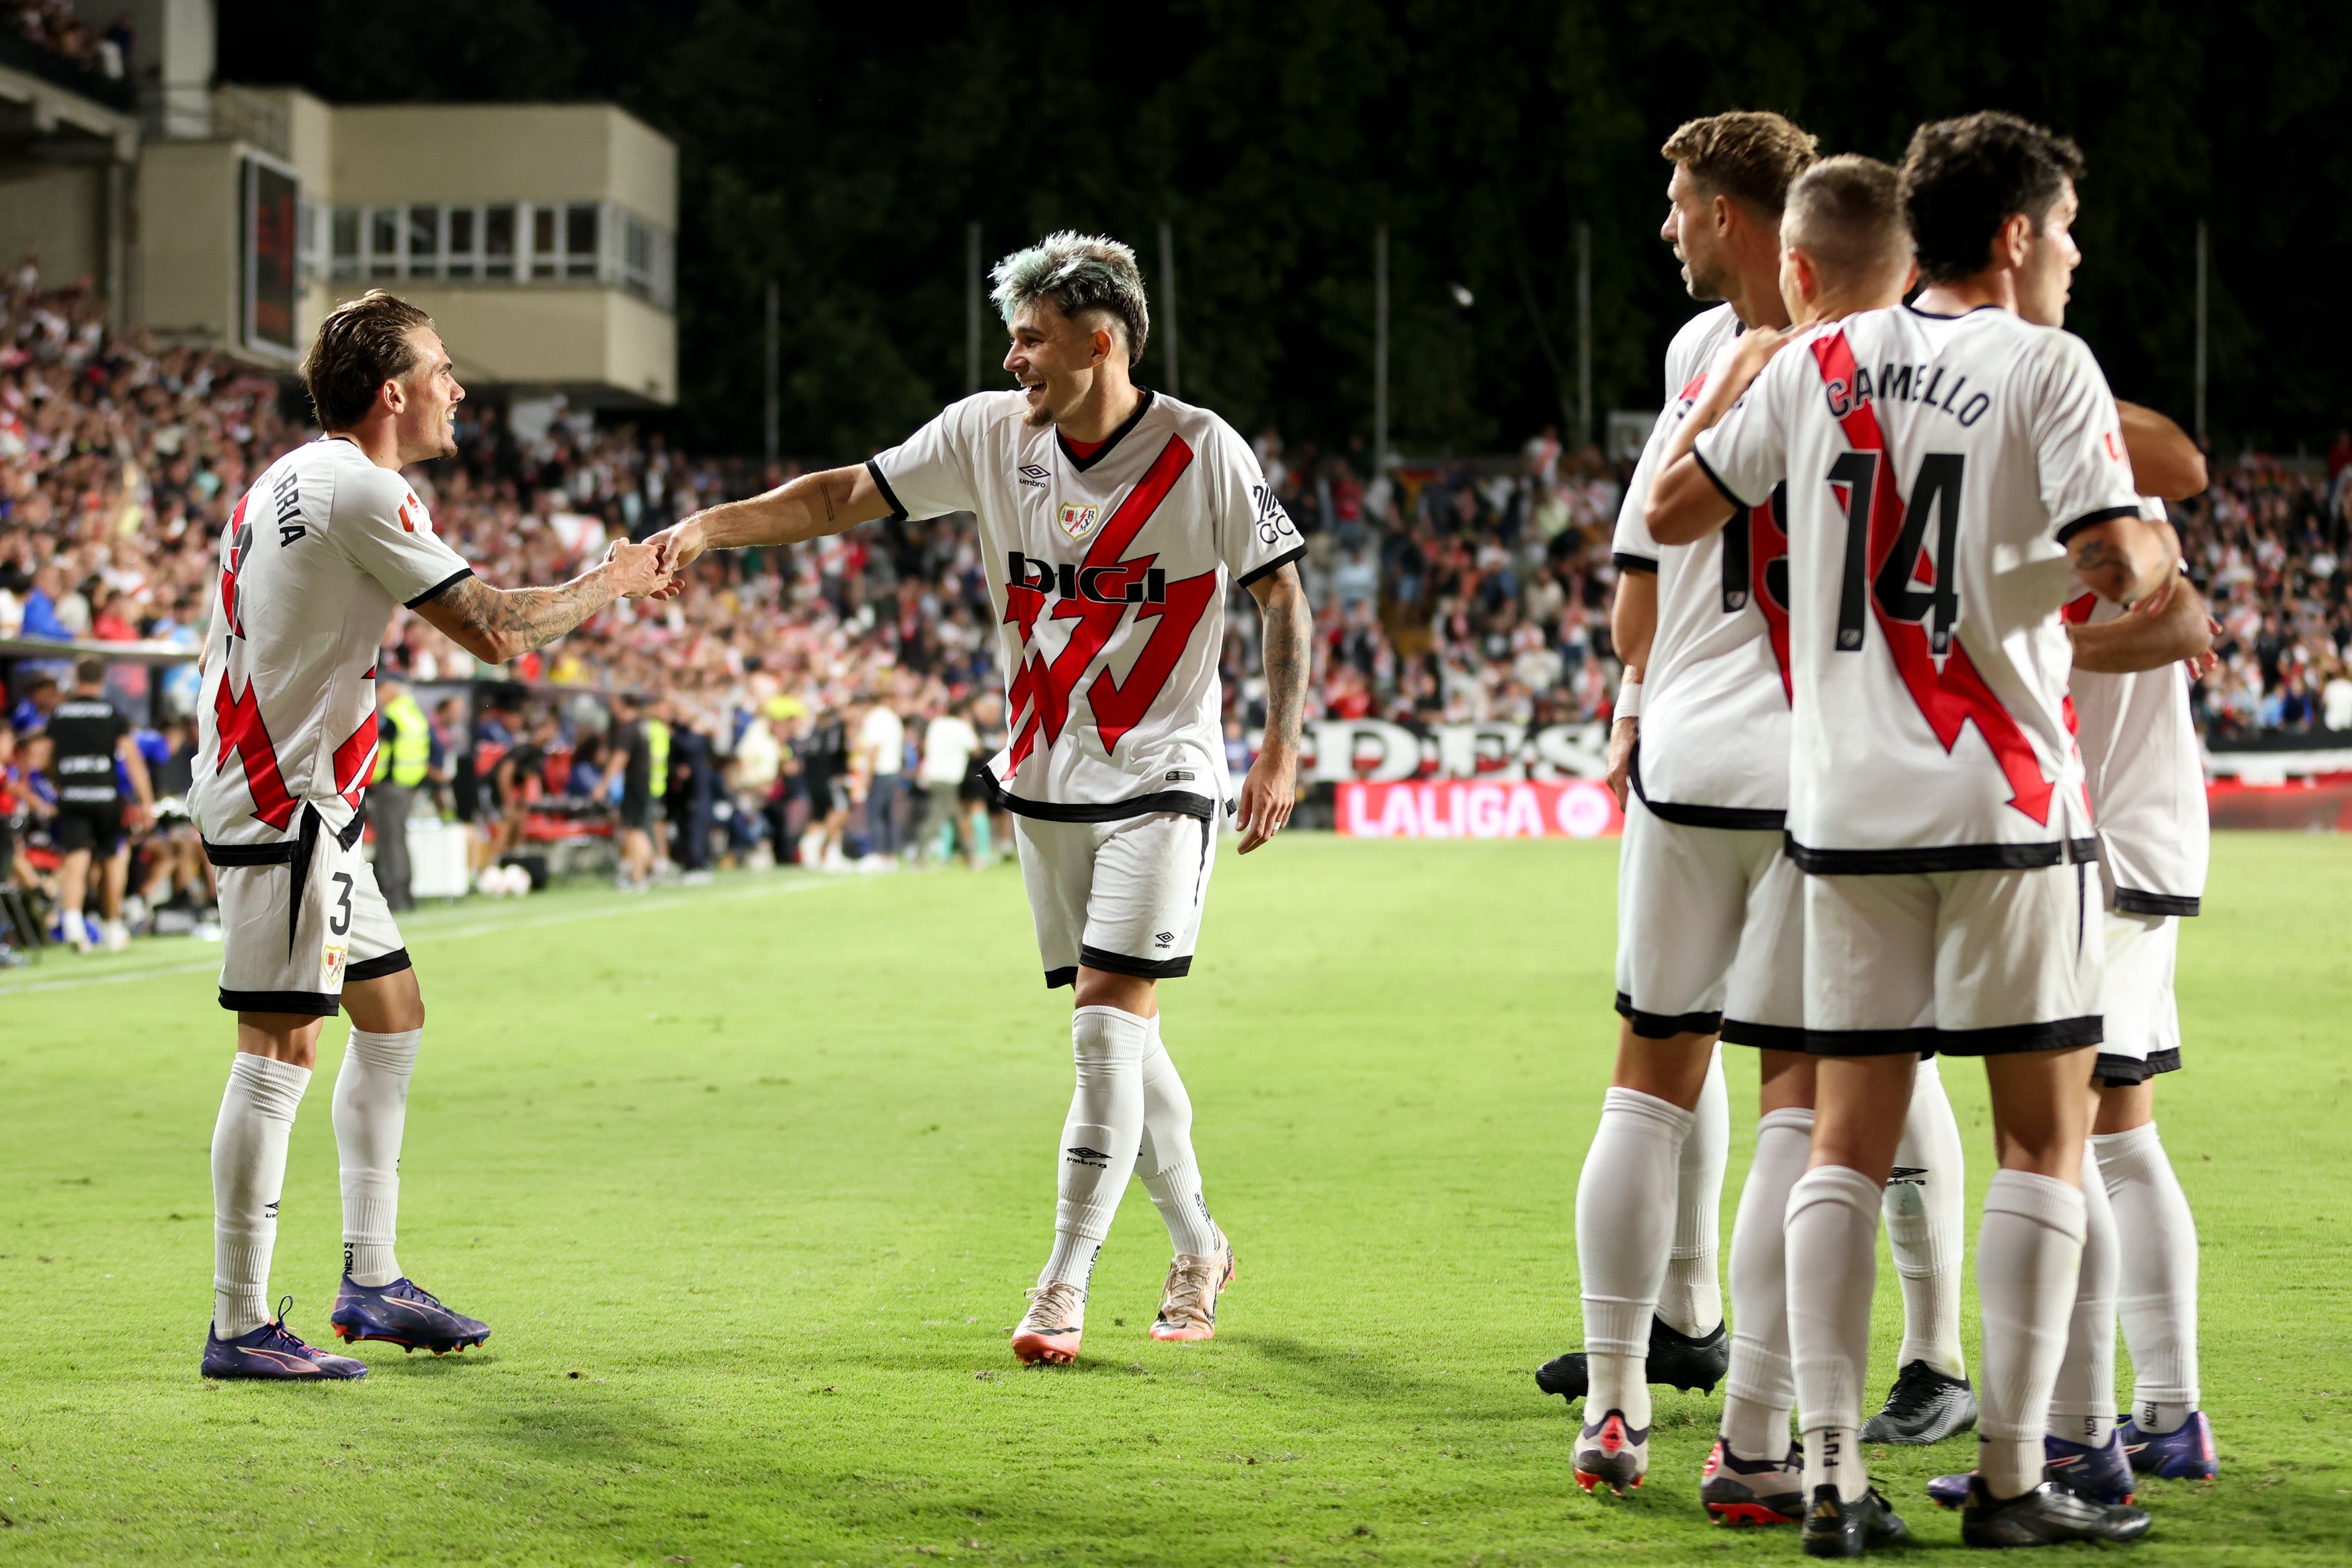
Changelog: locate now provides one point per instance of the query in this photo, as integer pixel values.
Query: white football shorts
(290, 946)
(1123, 896)
(1969, 963)
(1710, 932)
(2143, 1019)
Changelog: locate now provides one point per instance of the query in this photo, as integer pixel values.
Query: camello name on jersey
(1907, 383)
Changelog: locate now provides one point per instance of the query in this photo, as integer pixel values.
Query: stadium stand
(1446, 593)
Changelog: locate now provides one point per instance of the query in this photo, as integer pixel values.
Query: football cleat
(1611, 1453)
(1188, 1302)
(1923, 1406)
(2049, 1515)
(1753, 1492)
(274, 1352)
(1053, 1327)
(1836, 1529)
(2097, 1475)
(2184, 1454)
(2102, 1476)
(404, 1314)
(1675, 1360)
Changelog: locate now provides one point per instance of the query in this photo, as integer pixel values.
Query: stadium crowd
(829, 704)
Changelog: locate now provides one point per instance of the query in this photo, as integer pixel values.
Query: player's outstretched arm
(496, 624)
(1272, 788)
(2165, 463)
(807, 507)
(2178, 629)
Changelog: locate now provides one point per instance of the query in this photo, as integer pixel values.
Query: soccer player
(91, 739)
(2147, 785)
(312, 560)
(1120, 518)
(2133, 668)
(1945, 461)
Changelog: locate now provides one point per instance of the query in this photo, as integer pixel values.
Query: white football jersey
(312, 563)
(1936, 466)
(1714, 694)
(2145, 771)
(1108, 573)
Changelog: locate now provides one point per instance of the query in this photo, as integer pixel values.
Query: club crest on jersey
(1078, 521)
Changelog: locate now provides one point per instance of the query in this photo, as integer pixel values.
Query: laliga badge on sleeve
(1078, 521)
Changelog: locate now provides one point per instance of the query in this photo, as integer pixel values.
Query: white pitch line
(489, 928)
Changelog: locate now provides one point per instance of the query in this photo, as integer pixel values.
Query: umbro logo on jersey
(1128, 582)
(1034, 475)
(1166, 938)
(1081, 1155)
(1078, 521)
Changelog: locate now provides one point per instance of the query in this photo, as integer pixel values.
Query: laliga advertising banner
(1486, 780)
(1529, 809)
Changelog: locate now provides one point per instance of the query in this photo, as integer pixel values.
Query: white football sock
(1760, 1388)
(2156, 1295)
(1924, 1224)
(257, 1118)
(371, 1108)
(1100, 1138)
(2028, 1254)
(1690, 1299)
(1624, 1230)
(1832, 1268)
(2083, 1401)
(1170, 1173)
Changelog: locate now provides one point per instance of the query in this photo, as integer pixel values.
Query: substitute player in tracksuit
(1115, 520)
(313, 559)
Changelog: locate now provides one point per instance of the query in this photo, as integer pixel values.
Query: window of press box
(501, 242)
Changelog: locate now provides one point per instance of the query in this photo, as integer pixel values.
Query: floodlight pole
(970, 307)
(1380, 350)
(1168, 302)
(2202, 260)
(1583, 336)
(775, 351)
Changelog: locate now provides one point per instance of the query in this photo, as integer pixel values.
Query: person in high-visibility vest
(631, 780)
(658, 748)
(403, 750)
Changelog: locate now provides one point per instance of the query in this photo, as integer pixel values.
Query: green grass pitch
(750, 1183)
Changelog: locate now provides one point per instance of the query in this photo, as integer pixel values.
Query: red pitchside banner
(1530, 809)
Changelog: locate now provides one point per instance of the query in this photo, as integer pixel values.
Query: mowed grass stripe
(769, 1176)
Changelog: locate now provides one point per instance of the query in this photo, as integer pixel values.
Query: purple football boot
(2103, 1475)
(404, 1314)
(274, 1352)
(2184, 1454)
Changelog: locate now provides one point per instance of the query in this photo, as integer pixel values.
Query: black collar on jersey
(1143, 406)
(1940, 316)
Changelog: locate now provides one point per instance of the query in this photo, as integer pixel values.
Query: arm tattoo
(1289, 635)
(826, 491)
(524, 618)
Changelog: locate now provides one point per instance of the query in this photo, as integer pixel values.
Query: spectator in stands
(882, 743)
(950, 745)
